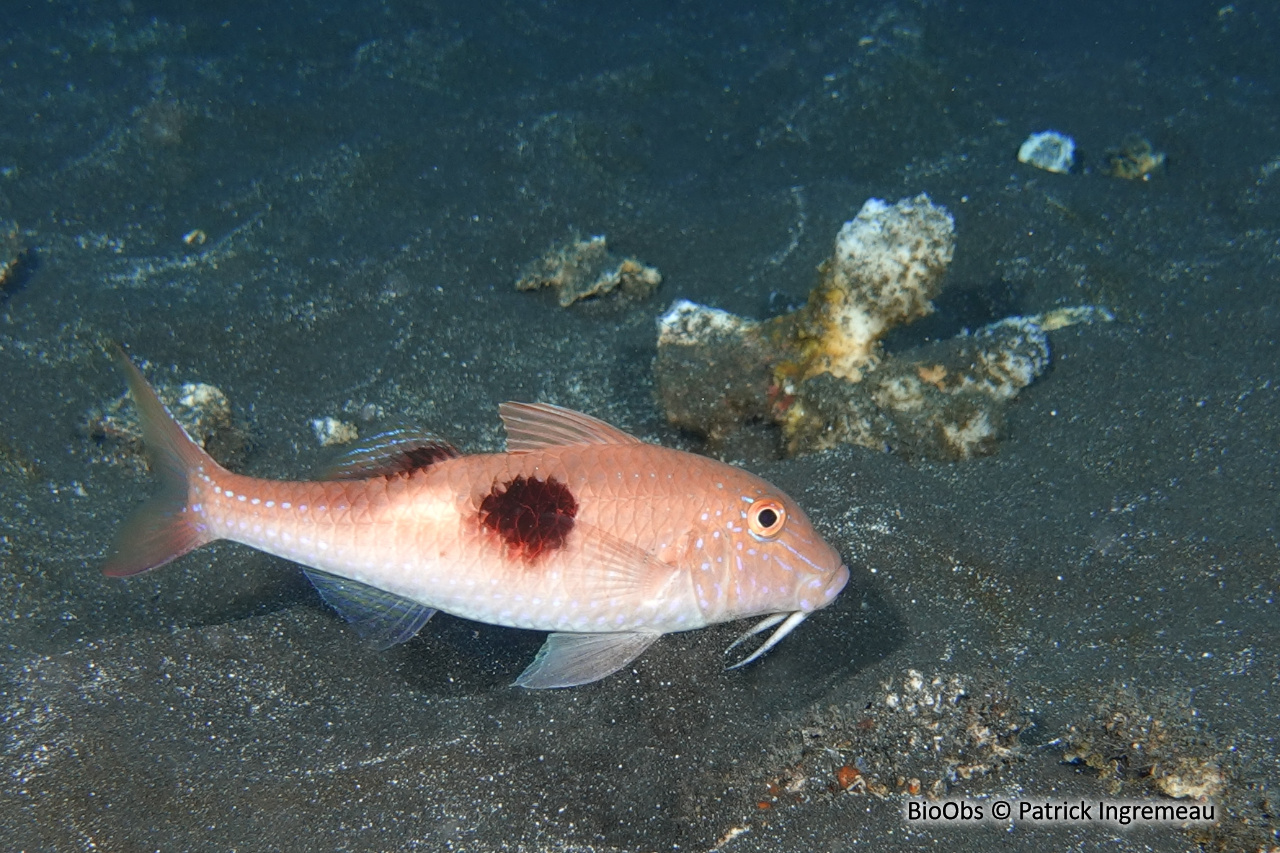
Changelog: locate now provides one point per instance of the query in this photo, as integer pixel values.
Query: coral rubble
(918, 736)
(1135, 160)
(331, 432)
(821, 374)
(12, 254)
(1151, 742)
(1148, 740)
(584, 267)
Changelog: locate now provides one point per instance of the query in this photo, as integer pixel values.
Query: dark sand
(372, 177)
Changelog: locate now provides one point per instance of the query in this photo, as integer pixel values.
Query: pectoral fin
(624, 576)
(567, 660)
(382, 619)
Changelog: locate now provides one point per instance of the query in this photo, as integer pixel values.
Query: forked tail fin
(164, 528)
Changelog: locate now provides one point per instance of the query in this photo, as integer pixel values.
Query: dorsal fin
(535, 426)
(398, 450)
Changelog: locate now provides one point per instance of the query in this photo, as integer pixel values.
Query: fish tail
(164, 528)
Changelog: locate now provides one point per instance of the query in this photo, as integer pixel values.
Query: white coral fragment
(1049, 150)
(331, 432)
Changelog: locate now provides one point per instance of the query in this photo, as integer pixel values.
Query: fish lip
(837, 584)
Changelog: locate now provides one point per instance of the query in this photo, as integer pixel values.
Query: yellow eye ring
(766, 517)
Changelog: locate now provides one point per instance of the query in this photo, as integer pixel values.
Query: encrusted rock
(821, 374)
(584, 267)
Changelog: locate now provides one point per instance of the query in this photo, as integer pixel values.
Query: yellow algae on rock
(888, 264)
(820, 373)
(584, 267)
(944, 400)
(1061, 318)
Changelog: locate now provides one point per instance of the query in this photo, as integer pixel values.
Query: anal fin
(568, 660)
(382, 619)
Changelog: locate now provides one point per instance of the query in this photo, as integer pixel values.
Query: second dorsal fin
(534, 426)
(398, 450)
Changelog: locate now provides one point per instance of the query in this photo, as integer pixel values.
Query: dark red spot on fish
(533, 516)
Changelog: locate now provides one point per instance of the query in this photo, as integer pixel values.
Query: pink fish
(578, 529)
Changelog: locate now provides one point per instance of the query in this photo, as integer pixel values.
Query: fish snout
(826, 592)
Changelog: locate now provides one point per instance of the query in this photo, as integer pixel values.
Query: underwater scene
(639, 427)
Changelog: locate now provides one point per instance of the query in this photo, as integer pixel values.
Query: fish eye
(766, 517)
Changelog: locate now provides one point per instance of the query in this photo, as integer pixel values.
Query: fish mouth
(789, 622)
(838, 581)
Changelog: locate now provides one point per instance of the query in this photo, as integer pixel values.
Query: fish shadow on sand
(857, 631)
(455, 657)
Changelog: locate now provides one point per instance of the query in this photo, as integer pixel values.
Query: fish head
(758, 554)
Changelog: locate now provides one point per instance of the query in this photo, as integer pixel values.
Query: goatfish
(578, 529)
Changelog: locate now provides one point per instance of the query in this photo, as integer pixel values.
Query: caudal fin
(164, 528)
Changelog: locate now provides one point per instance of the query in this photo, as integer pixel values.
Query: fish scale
(579, 529)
